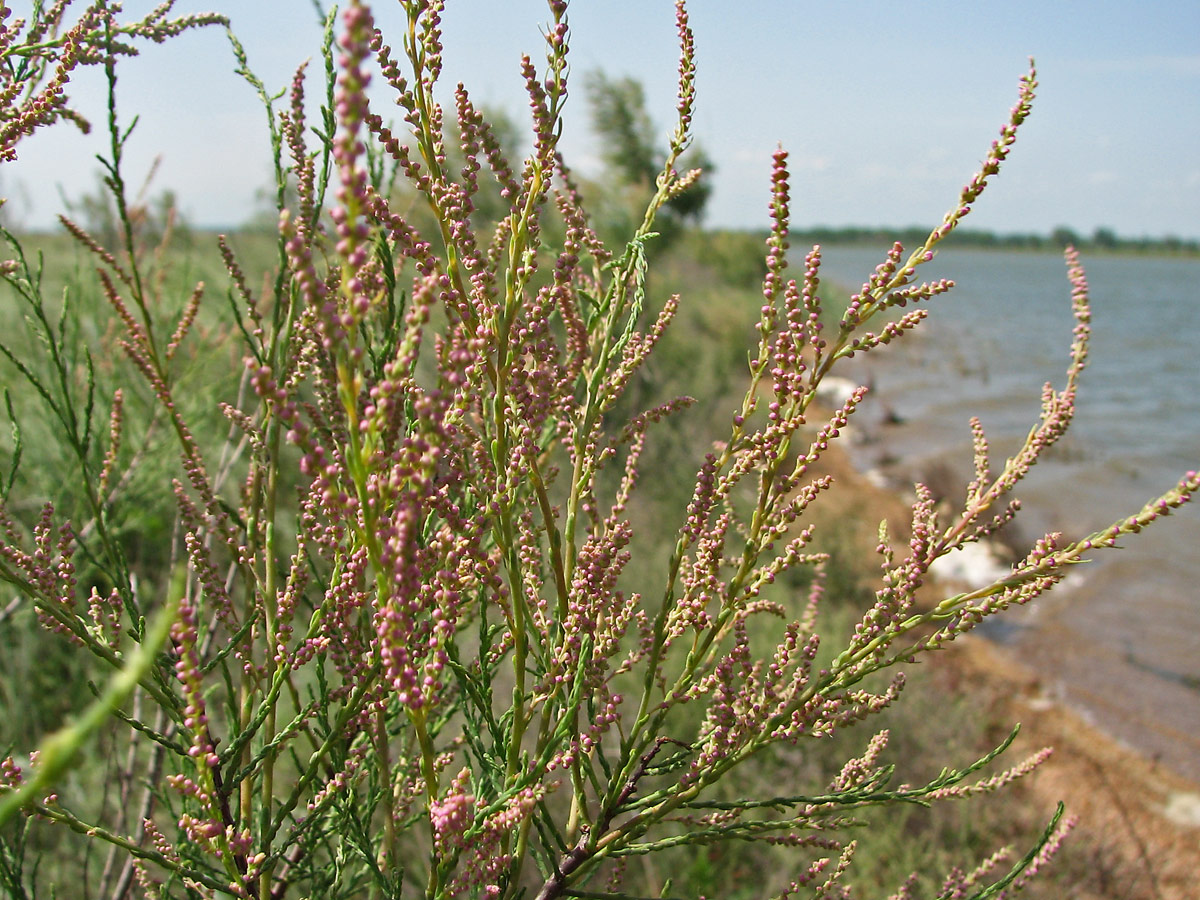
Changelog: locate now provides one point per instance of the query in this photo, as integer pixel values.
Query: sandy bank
(1139, 821)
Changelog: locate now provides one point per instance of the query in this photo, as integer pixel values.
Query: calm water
(1121, 642)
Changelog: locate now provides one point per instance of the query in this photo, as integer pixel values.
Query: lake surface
(1119, 642)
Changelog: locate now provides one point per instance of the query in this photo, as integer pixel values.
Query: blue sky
(885, 107)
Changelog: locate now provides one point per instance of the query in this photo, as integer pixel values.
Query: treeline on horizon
(1103, 240)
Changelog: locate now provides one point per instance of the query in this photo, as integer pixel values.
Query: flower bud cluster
(43, 107)
(344, 778)
(686, 92)
(451, 815)
(10, 773)
(106, 611)
(349, 216)
(48, 573)
(191, 677)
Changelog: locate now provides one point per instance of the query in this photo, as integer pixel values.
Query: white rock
(1183, 808)
(877, 477)
(976, 565)
(835, 390)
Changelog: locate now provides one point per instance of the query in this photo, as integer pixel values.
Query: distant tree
(1105, 239)
(1062, 236)
(629, 148)
(619, 117)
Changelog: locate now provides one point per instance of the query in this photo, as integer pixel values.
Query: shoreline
(1134, 811)
(1129, 806)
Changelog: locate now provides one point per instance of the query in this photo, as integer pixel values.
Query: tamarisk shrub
(404, 657)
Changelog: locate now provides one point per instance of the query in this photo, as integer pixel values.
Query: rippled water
(1122, 642)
